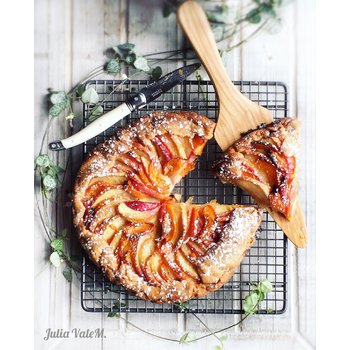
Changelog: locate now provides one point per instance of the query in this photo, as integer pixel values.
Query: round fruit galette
(137, 232)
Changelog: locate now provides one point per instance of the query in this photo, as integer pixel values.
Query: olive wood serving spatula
(237, 113)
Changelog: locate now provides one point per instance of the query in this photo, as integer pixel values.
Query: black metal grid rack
(268, 256)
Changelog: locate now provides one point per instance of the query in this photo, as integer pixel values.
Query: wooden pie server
(237, 113)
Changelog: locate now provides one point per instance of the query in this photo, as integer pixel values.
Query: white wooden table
(71, 36)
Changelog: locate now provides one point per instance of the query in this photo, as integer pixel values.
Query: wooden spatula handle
(194, 23)
(237, 113)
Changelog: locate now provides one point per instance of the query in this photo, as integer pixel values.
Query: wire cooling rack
(267, 259)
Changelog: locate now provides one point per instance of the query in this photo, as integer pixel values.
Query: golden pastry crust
(141, 237)
(263, 162)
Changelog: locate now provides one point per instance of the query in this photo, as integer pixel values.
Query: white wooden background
(70, 38)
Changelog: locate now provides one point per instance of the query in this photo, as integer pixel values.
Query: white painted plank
(52, 295)
(88, 37)
(305, 103)
(270, 56)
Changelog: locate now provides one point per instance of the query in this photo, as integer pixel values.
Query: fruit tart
(263, 162)
(137, 232)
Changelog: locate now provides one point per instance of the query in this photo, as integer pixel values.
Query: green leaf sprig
(125, 56)
(252, 300)
(59, 100)
(263, 9)
(48, 171)
(58, 256)
(117, 305)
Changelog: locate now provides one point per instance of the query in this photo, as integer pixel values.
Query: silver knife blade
(139, 100)
(167, 82)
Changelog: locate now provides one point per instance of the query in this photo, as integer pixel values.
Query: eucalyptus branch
(258, 294)
(97, 71)
(248, 37)
(41, 218)
(48, 125)
(207, 328)
(220, 330)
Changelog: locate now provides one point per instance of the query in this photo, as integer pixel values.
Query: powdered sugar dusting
(237, 235)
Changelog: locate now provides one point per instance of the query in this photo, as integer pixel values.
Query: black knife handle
(56, 146)
(136, 101)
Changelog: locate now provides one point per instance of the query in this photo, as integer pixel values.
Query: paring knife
(139, 100)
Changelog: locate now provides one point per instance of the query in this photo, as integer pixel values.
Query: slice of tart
(263, 162)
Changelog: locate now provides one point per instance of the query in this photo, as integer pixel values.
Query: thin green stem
(42, 218)
(169, 51)
(207, 328)
(248, 37)
(95, 72)
(220, 330)
(45, 134)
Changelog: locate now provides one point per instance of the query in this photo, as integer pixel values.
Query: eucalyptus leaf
(250, 303)
(49, 182)
(118, 304)
(130, 58)
(260, 294)
(167, 10)
(113, 66)
(254, 16)
(182, 305)
(57, 244)
(117, 51)
(141, 64)
(268, 9)
(217, 347)
(90, 96)
(55, 259)
(222, 14)
(126, 47)
(58, 97)
(67, 273)
(54, 170)
(185, 338)
(265, 286)
(95, 113)
(42, 161)
(56, 109)
(218, 31)
(80, 90)
(157, 73)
